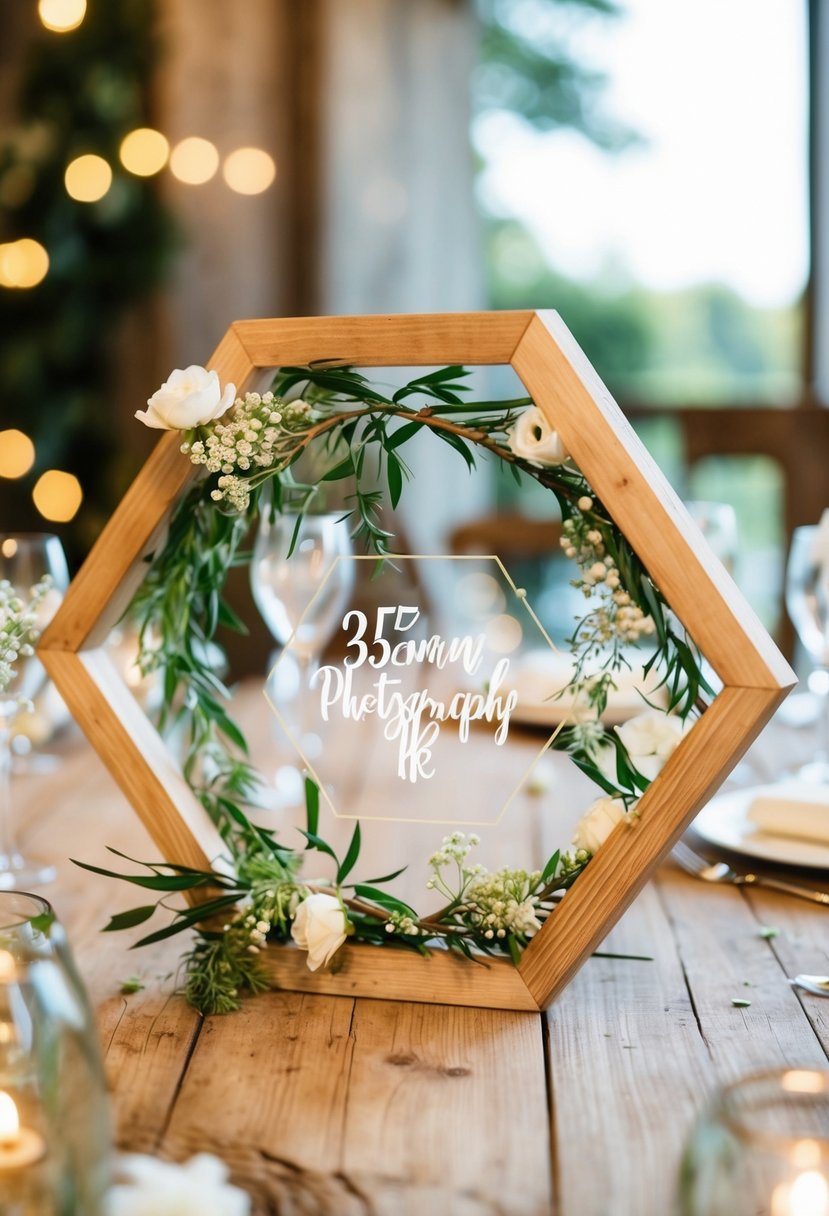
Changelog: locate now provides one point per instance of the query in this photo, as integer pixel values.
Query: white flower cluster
(492, 904)
(402, 923)
(615, 616)
(455, 848)
(250, 436)
(504, 902)
(18, 626)
(273, 909)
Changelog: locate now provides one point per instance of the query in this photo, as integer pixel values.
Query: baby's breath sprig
(614, 617)
(18, 626)
(257, 433)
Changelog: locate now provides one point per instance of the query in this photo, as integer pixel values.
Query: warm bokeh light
(8, 971)
(17, 454)
(9, 1119)
(144, 151)
(194, 161)
(503, 634)
(61, 16)
(249, 170)
(87, 178)
(57, 495)
(23, 263)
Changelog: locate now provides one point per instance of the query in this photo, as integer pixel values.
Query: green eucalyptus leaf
(350, 859)
(128, 920)
(312, 807)
(395, 478)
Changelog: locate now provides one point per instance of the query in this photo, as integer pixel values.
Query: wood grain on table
(326, 1104)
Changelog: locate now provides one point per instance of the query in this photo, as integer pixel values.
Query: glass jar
(54, 1117)
(761, 1149)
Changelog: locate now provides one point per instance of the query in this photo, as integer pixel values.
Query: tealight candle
(808, 1195)
(19, 1146)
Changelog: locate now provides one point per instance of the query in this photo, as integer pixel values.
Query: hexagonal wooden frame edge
(569, 392)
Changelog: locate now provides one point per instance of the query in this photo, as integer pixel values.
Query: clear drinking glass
(55, 1135)
(807, 601)
(717, 521)
(297, 606)
(761, 1149)
(24, 559)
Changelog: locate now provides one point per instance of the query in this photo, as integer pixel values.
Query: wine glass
(25, 558)
(807, 601)
(717, 521)
(299, 604)
(761, 1149)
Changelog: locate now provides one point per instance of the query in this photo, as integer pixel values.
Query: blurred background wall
(650, 170)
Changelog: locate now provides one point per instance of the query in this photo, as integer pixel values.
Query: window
(644, 169)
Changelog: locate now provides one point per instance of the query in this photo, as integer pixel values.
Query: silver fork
(719, 871)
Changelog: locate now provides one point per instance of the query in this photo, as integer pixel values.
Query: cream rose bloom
(533, 439)
(649, 740)
(597, 823)
(189, 397)
(149, 1187)
(320, 927)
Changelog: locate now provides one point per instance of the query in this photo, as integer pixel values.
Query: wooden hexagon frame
(566, 388)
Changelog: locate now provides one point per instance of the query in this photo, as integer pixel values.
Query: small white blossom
(534, 440)
(146, 1186)
(597, 823)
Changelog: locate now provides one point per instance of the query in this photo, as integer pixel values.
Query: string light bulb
(61, 16)
(249, 170)
(87, 178)
(17, 454)
(194, 160)
(144, 151)
(57, 495)
(23, 263)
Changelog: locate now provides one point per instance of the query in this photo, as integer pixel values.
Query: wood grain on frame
(568, 390)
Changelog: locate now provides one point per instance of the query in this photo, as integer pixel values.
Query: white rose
(149, 1187)
(597, 823)
(534, 439)
(649, 739)
(320, 927)
(188, 398)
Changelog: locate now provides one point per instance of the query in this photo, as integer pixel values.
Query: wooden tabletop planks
(326, 1104)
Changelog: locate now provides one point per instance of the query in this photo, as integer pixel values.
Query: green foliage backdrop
(80, 92)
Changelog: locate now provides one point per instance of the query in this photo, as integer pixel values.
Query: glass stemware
(717, 521)
(761, 1149)
(807, 601)
(297, 605)
(54, 1110)
(24, 560)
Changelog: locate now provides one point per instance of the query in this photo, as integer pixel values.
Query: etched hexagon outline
(568, 391)
(313, 769)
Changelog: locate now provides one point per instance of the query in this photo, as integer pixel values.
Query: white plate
(550, 713)
(724, 823)
(538, 675)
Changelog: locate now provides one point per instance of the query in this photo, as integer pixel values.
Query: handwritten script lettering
(413, 720)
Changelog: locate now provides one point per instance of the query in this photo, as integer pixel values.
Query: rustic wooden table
(358, 1107)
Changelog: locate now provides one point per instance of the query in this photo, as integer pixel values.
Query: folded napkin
(540, 674)
(796, 810)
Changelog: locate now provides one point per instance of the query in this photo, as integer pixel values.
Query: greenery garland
(180, 608)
